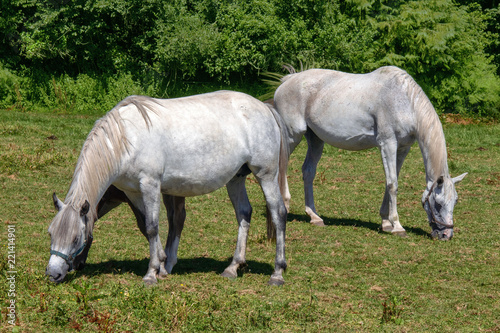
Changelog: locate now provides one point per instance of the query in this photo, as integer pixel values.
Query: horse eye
(438, 206)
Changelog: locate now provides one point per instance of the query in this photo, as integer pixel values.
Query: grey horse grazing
(386, 109)
(181, 147)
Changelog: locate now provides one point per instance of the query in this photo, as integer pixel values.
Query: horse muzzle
(442, 234)
(56, 269)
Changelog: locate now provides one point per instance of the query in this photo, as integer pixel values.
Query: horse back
(347, 110)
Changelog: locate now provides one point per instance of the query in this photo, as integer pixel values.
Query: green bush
(87, 95)
(442, 46)
(66, 49)
(184, 41)
(10, 89)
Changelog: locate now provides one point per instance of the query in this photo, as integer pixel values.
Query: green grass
(347, 276)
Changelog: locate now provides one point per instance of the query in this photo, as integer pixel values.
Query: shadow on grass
(329, 221)
(183, 266)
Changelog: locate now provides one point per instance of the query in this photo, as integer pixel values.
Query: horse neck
(89, 185)
(99, 162)
(432, 143)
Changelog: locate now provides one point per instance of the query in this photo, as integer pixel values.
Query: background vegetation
(83, 56)
(345, 277)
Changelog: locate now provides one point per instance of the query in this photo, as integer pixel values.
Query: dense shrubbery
(83, 56)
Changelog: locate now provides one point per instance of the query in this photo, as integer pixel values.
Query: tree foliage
(450, 47)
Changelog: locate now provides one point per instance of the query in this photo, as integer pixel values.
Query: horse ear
(57, 203)
(459, 178)
(85, 208)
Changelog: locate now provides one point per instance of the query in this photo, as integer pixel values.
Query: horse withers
(386, 109)
(148, 148)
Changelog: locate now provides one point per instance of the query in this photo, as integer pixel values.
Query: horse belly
(353, 142)
(349, 133)
(197, 182)
(186, 188)
(179, 179)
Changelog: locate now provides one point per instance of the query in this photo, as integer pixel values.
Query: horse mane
(101, 154)
(430, 135)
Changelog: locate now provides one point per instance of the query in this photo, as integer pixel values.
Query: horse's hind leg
(176, 213)
(239, 198)
(277, 210)
(314, 151)
(287, 197)
(393, 161)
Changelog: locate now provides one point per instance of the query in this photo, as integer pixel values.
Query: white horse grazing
(181, 147)
(386, 109)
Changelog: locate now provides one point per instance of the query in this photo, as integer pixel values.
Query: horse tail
(290, 70)
(273, 81)
(284, 154)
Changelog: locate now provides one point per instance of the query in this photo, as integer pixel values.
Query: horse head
(439, 201)
(71, 237)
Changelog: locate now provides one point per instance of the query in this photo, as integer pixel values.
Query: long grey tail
(283, 166)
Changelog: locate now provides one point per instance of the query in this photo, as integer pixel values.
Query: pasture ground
(347, 276)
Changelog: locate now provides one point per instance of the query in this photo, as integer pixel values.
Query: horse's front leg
(392, 159)
(238, 194)
(314, 151)
(176, 213)
(148, 203)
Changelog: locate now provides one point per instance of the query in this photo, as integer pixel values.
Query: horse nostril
(55, 278)
(446, 235)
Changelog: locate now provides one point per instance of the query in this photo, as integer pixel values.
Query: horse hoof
(386, 226)
(401, 234)
(228, 274)
(318, 223)
(149, 281)
(276, 281)
(387, 229)
(162, 273)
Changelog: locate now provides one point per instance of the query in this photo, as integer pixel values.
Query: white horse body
(339, 105)
(341, 109)
(193, 149)
(181, 147)
(384, 109)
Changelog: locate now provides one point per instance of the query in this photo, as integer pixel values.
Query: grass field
(345, 277)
